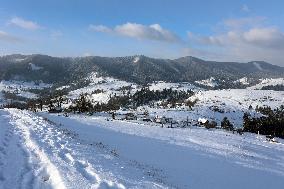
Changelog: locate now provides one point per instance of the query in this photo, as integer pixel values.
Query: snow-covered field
(268, 82)
(36, 153)
(41, 150)
(49, 151)
(108, 85)
(21, 85)
(208, 82)
(21, 88)
(230, 103)
(160, 85)
(243, 81)
(234, 102)
(111, 86)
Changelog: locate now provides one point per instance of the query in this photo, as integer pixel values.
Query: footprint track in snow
(5, 143)
(83, 167)
(49, 145)
(89, 173)
(86, 170)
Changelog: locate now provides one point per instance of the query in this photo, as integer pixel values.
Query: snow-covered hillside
(106, 150)
(160, 85)
(233, 103)
(211, 104)
(107, 85)
(21, 88)
(35, 67)
(208, 82)
(216, 104)
(243, 80)
(51, 151)
(14, 85)
(268, 82)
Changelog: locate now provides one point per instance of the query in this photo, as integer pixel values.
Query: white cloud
(100, 28)
(268, 37)
(152, 32)
(245, 22)
(26, 24)
(265, 37)
(8, 38)
(243, 39)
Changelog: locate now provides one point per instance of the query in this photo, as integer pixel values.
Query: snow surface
(19, 59)
(243, 81)
(112, 86)
(53, 151)
(208, 82)
(109, 85)
(234, 102)
(36, 153)
(35, 67)
(63, 87)
(268, 82)
(21, 88)
(13, 84)
(160, 85)
(136, 59)
(50, 151)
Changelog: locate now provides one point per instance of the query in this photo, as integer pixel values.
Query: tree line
(145, 96)
(271, 123)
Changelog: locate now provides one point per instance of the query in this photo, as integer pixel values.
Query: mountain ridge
(137, 68)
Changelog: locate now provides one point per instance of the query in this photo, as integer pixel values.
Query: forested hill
(139, 69)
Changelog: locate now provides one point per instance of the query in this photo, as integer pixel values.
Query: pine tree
(246, 122)
(226, 124)
(83, 104)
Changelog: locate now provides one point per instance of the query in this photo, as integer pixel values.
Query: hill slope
(138, 69)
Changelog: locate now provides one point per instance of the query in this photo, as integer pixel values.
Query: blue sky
(216, 30)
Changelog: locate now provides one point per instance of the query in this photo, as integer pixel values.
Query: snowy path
(14, 162)
(50, 151)
(39, 154)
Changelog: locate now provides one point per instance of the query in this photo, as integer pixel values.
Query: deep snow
(49, 151)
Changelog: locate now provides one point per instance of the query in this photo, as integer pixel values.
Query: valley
(92, 128)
